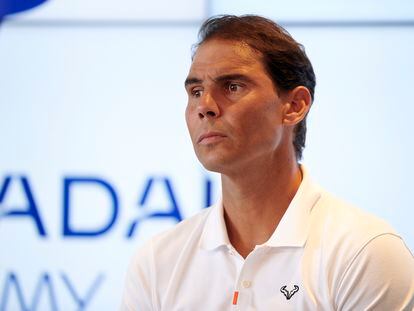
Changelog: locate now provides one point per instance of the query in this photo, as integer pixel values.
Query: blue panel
(14, 6)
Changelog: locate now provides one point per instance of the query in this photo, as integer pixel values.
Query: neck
(255, 201)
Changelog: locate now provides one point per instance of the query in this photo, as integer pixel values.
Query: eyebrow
(222, 78)
(190, 81)
(235, 76)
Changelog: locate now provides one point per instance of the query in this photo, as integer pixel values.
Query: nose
(207, 107)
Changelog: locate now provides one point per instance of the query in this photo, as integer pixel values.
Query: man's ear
(297, 105)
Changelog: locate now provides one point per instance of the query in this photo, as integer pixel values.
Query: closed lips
(208, 135)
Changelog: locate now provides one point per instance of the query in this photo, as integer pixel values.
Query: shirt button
(246, 284)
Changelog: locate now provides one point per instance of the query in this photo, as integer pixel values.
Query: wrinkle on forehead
(242, 52)
(222, 55)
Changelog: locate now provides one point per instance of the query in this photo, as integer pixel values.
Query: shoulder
(381, 273)
(169, 242)
(179, 235)
(364, 259)
(339, 230)
(334, 219)
(154, 261)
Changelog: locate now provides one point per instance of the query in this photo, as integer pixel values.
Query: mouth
(210, 137)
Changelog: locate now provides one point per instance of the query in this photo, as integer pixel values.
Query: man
(275, 241)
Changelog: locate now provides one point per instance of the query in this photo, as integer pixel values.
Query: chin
(214, 160)
(211, 166)
(217, 164)
(211, 163)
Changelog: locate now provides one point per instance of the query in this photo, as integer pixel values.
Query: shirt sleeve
(380, 277)
(138, 287)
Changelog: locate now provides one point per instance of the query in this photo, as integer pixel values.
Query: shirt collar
(292, 229)
(214, 232)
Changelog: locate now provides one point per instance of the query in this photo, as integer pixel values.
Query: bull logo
(288, 294)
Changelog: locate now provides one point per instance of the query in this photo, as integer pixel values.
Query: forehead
(219, 56)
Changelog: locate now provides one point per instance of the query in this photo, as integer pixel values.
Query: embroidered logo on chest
(288, 294)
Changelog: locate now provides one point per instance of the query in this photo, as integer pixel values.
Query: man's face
(234, 113)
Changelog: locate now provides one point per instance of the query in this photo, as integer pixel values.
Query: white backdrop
(91, 107)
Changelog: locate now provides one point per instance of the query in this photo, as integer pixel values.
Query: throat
(252, 211)
(247, 231)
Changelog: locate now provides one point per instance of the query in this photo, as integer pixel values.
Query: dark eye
(196, 92)
(233, 87)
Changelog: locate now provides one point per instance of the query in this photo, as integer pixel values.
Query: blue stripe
(14, 6)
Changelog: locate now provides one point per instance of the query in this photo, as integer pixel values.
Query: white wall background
(94, 89)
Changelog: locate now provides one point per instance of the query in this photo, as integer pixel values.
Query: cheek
(189, 119)
(255, 119)
(259, 125)
(186, 114)
(189, 111)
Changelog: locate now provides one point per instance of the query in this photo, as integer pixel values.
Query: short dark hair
(284, 59)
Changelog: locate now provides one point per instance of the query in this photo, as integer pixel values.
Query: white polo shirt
(324, 255)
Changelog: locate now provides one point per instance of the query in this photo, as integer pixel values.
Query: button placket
(246, 284)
